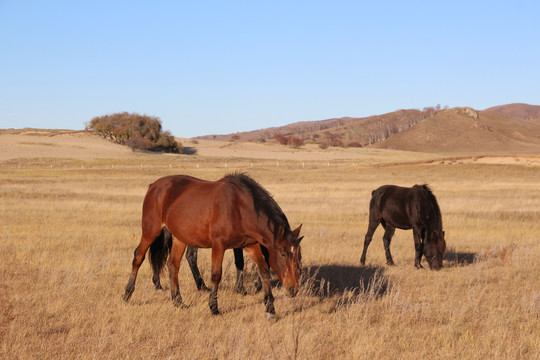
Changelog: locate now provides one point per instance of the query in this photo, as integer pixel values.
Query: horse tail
(160, 250)
(375, 202)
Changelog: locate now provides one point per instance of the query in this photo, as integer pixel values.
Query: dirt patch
(308, 152)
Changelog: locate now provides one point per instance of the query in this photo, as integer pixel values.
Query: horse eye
(283, 253)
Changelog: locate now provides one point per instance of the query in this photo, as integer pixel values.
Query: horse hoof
(271, 317)
(126, 297)
(177, 302)
(241, 290)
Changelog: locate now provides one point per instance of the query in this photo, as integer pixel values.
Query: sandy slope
(57, 144)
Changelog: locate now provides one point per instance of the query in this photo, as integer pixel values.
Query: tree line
(139, 132)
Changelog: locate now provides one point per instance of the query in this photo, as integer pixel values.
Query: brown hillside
(346, 131)
(466, 131)
(300, 128)
(520, 111)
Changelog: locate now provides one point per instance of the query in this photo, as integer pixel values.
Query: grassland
(68, 229)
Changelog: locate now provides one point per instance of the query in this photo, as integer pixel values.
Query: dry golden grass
(68, 229)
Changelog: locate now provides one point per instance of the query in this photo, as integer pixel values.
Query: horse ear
(300, 239)
(297, 230)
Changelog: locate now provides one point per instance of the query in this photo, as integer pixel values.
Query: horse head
(434, 249)
(285, 259)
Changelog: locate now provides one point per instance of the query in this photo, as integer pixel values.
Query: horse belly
(190, 225)
(396, 217)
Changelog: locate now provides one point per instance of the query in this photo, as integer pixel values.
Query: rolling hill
(520, 111)
(339, 131)
(466, 131)
(502, 129)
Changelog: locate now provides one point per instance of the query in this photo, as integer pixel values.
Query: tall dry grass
(68, 234)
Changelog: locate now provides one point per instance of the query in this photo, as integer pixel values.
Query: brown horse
(413, 208)
(234, 212)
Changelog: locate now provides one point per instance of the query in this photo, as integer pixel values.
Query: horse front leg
(387, 238)
(419, 248)
(256, 255)
(177, 251)
(217, 264)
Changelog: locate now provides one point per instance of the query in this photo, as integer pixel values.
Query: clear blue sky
(215, 67)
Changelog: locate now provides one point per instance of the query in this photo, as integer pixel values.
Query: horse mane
(263, 201)
(433, 199)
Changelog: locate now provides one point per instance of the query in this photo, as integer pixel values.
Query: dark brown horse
(234, 212)
(413, 208)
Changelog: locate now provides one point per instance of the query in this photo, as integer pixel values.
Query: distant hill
(464, 130)
(302, 127)
(345, 131)
(501, 129)
(520, 111)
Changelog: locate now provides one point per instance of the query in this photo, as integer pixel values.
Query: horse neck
(268, 229)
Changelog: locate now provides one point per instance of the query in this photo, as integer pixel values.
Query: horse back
(389, 206)
(404, 207)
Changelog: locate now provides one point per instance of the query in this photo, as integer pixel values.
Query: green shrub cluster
(140, 132)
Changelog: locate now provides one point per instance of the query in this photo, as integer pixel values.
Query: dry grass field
(68, 228)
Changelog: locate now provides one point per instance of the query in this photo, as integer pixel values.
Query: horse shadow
(460, 258)
(336, 280)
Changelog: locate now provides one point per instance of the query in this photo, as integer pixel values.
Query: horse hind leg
(373, 224)
(387, 238)
(138, 258)
(191, 256)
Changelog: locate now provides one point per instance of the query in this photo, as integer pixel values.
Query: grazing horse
(413, 208)
(234, 212)
(157, 260)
